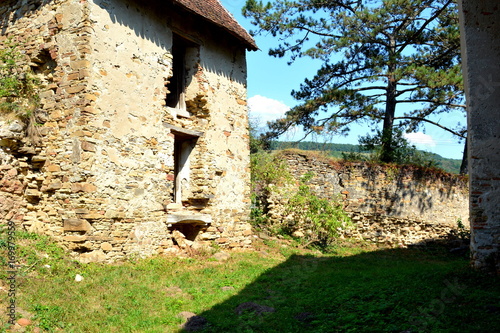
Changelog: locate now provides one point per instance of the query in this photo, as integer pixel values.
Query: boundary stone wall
(396, 205)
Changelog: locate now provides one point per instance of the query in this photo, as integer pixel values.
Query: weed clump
(19, 87)
(310, 219)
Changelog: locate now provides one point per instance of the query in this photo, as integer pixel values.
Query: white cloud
(420, 139)
(263, 109)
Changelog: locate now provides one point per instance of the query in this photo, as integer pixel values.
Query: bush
(402, 152)
(317, 218)
(266, 170)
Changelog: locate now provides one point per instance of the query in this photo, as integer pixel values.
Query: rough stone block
(87, 146)
(75, 238)
(55, 185)
(94, 256)
(89, 187)
(75, 89)
(106, 246)
(79, 64)
(76, 225)
(32, 193)
(92, 216)
(76, 187)
(53, 168)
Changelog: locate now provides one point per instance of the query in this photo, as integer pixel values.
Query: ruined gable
(123, 164)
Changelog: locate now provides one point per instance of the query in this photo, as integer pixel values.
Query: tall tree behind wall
(376, 56)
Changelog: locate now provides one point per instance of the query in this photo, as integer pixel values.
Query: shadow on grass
(395, 290)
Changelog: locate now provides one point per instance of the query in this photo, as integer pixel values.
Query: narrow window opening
(183, 146)
(185, 141)
(183, 52)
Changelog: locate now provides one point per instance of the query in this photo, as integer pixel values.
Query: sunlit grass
(352, 289)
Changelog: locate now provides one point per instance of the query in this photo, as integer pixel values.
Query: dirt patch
(254, 307)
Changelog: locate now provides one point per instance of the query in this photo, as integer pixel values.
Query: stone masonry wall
(480, 43)
(388, 204)
(102, 181)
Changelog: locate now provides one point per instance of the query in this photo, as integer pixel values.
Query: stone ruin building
(142, 125)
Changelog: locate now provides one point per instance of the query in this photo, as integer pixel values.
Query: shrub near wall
(396, 205)
(286, 206)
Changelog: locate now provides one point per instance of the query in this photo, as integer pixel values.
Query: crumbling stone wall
(102, 180)
(387, 204)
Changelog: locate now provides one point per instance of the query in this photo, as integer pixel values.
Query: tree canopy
(376, 55)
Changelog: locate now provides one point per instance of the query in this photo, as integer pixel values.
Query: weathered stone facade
(387, 204)
(123, 168)
(480, 43)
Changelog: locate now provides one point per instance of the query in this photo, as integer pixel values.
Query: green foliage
(310, 145)
(257, 215)
(18, 85)
(42, 249)
(400, 152)
(354, 156)
(267, 169)
(350, 152)
(48, 317)
(375, 55)
(35, 250)
(257, 144)
(462, 232)
(319, 218)
(18, 88)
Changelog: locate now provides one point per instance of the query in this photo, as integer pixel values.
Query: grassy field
(275, 288)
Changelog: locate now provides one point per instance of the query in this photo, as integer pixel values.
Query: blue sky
(271, 80)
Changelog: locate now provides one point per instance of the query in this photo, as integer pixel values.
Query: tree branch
(424, 25)
(433, 123)
(432, 102)
(315, 32)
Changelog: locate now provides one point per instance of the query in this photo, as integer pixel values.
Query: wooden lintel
(183, 131)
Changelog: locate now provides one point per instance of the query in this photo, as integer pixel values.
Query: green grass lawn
(356, 288)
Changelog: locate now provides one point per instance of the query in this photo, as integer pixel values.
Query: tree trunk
(464, 166)
(387, 153)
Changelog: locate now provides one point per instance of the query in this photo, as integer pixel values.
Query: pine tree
(376, 55)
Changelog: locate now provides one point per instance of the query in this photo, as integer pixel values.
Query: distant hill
(336, 150)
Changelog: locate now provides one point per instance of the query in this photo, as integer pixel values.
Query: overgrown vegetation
(18, 89)
(316, 220)
(319, 219)
(266, 170)
(355, 288)
(461, 232)
(401, 151)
